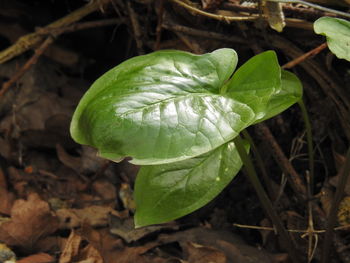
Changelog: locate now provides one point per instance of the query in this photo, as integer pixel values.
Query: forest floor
(59, 202)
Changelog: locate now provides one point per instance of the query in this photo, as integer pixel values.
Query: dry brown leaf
(334, 182)
(38, 258)
(125, 228)
(3, 183)
(6, 201)
(90, 254)
(71, 249)
(105, 189)
(89, 162)
(231, 245)
(68, 160)
(203, 254)
(96, 216)
(31, 220)
(111, 248)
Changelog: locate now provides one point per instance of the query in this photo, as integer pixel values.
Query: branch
(32, 40)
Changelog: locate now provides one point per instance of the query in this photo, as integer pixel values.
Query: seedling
(176, 114)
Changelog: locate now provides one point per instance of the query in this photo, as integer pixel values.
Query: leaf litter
(59, 202)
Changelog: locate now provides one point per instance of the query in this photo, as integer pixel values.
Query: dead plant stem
(213, 16)
(38, 52)
(305, 56)
(30, 41)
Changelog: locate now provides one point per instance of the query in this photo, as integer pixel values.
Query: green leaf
(169, 191)
(161, 108)
(256, 81)
(337, 32)
(290, 93)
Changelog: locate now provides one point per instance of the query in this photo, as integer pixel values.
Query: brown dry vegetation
(61, 203)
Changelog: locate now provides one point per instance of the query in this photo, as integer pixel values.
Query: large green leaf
(337, 32)
(169, 191)
(162, 107)
(290, 93)
(255, 82)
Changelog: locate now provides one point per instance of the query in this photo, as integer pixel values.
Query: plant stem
(260, 163)
(266, 203)
(309, 143)
(332, 217)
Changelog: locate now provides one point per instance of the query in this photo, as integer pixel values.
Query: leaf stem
(310, 147)
(260, 163)
(266, 203)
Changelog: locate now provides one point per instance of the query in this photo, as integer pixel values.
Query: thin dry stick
(214, 16)
(290, 230)
(27, 65)
(202, 33)
(136, 28)
(300, 59)
(81, 26)
(159, 25)
(54, 32)
(294, 178)
(332, 218)
(30, 41)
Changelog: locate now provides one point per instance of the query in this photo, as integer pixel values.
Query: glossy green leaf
(337, 32)
(169, 191)
(290, 93)
(162, 107)
(255, 82)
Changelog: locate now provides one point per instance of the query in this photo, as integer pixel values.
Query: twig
(300, 59)
(159, 25)
(315, 6)
(214, 16)
(310, 147)
(53, 32)
(332, 217)
(290, 230)
(80, 26)
(202, 33)
(136, 28)
(288, 9)
(294, 178)
(27, 65)
(30, 41)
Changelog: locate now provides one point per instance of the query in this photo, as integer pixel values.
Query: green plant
(337, 32)
(176, 114)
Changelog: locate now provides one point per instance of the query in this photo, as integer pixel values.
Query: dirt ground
(59, 202)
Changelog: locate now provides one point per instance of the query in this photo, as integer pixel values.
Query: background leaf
(256, 81)
(169, 191)
(161, 108)
(291, 91)
(337, 32)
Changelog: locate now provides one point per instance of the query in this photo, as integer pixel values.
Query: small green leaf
(169, 191)
(256, 81)
(290, 93)
(162, 107)
(337, 32)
